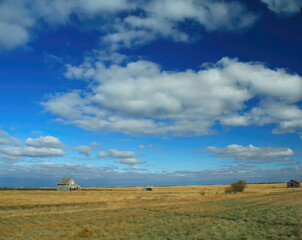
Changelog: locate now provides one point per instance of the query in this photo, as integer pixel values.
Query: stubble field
(262, 211)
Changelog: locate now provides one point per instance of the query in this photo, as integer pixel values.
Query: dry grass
(180, 212)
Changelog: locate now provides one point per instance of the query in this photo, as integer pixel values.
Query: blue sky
(162, 92)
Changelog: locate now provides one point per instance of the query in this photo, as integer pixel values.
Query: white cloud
(123, 157)
(14, 36)
(43, 152)
(161, 19)
(149, 146)
(140, 98)
(19, 18)
(135, 168)
(251, 154)
(212, 14)
(12, 150)
(15, 21)
(128, 161)
(289, 126)
(44, 141)
(68, 105)
(85, 150)
(94, 144)
(284, 6)
(110, 56)
(121, 154)
(102, 154)
(79, 72)
(5, 138)
(59, 12)
(139, 23)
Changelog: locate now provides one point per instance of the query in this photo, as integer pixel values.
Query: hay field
(263, 211)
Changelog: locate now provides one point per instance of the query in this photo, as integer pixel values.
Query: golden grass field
(262, 211)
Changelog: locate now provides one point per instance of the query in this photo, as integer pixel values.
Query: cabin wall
(68, 187)
(293, 185)
(63, 188)
(74, 185)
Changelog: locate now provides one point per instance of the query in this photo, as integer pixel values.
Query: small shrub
(237, 186)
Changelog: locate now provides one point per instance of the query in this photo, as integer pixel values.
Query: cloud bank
(44, 141)
(140, 98)
(123, 157)
(251, 154)
(121, 23)
(12, 150)
(34, 174)
(284, 6)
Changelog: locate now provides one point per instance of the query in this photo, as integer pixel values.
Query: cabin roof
(295, 181)
(64, 181)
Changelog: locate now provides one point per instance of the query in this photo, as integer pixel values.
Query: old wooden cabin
(293, 184)
(68, 184)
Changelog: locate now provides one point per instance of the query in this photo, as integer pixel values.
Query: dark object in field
(237, 186)
(293, 184)
(147, 189)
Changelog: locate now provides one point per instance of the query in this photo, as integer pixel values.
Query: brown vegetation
(124, 213)
(237, 186)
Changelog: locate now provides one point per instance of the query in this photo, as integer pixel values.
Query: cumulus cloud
(44, 141)
(121, 154)
(128, 161)
(12, 150)
(5, 138)
(161, 18)
(289, 126)
(15, 22)
(14, 36)
(251, 154)
(19, 18)
(31, 151)
(102, 154)
(86, 150)
(139, 23)
(59, 12)
(123, 157)
(140, 98)
(284, 6)
(212, 14)
(150, 146)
